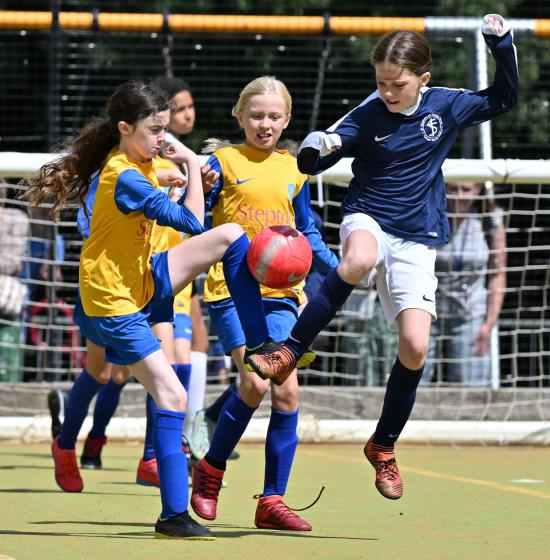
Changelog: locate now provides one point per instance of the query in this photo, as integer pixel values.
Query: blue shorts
(83, 322)
(280, 313)
(127, 339)
(182, 326)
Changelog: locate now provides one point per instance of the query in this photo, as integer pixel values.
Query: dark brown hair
(67, 178)
(406, 49)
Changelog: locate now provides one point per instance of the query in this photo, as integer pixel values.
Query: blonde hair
(260, 86)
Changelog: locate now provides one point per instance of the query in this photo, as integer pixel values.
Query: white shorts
(404, 270)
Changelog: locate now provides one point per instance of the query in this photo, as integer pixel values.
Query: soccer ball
(279, 257)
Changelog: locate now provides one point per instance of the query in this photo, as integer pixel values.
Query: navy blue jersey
(397, 177)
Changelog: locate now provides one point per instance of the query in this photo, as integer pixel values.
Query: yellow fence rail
(288, 25)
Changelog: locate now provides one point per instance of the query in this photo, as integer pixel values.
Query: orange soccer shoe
(273, 513)
(67, 474)
(382, 458)
(147, 473)
(207, 482)
(275, 361)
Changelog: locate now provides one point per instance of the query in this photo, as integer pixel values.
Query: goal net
(343, 390)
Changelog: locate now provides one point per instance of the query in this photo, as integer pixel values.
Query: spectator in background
(471, 271)
(45, 246)
(14, 233)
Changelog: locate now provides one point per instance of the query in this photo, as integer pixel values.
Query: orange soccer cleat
(388, 480)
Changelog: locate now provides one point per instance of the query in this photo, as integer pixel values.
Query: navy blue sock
(319, 311)
(106, 403)
(398, 403)
(280, 447)
(245, 292)
(171, 462)
(183, 371)
(231, 425)
(214, 410)
(150, 415)
(80, 397)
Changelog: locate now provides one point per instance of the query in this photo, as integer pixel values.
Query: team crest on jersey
(432, 127)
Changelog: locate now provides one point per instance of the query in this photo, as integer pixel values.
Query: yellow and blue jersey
(257, 190)
(115, 270)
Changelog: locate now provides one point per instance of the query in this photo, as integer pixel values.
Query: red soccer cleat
(91, 456)
(147, 473)
(207, 481)
(388, 480)
(273, 513)
(67, 474)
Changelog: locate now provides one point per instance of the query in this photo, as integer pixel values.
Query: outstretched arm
(322, 149)
(474, 107)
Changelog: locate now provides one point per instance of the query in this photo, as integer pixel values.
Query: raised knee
(231, 232)
(358, 263)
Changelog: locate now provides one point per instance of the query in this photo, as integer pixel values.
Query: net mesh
(63, 79)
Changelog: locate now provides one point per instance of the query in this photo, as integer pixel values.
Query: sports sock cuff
(169, 419)
(239, 407)
(413, 375)
(236, 250)
(335, 282)
(281, 419)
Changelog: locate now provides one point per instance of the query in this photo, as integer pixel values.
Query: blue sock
(106, 403)
(231, 425)
(150, 415)
(80, 397)
(171, 462)
(183, 371)
(214, 410)
(319, 311)
(245, 292)
(398, 403)
(280, 447)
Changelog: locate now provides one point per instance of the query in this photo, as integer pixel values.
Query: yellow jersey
(115, 270)
(255, 190)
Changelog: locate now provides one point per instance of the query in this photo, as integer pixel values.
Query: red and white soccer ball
(279, 257)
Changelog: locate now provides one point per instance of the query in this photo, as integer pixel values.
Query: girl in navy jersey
(395, 212)
(122, 285)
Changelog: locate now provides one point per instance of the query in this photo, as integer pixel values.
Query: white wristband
(322, 142)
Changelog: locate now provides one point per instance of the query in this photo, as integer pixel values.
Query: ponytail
(67, 178)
